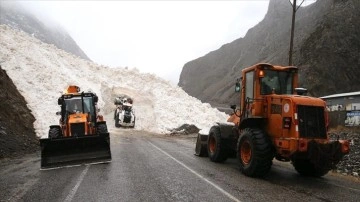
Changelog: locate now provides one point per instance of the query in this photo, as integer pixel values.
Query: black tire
(306, 168)
(117, 125)
(216, 148)
(55, 133)
(254, 152)
(200, 150)
(133, 125)
(102, 128)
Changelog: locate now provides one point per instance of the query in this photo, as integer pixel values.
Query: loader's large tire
(133, 126)
(117, 125)
(254, 152)
(102, 128)
(200, 150)
(306, 168)
(217, 150)
(54, 133)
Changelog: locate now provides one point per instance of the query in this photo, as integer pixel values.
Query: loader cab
(260, 81)
(276, 82)
(78, 103)
(73, 105)
(127, 108)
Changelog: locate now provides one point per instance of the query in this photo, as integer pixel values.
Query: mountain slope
(326, 42)
(17, 134)
(17, 17)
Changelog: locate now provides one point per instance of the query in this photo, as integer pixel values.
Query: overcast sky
(153, 36)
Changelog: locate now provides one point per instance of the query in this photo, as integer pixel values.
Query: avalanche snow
(41, 72)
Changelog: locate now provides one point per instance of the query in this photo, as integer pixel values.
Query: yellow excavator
(81, 136)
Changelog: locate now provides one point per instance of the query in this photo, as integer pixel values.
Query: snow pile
(41, 72)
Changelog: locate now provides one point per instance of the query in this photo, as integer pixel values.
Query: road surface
(152, 167)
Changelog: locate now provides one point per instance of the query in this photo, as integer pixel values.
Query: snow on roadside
(41, 72)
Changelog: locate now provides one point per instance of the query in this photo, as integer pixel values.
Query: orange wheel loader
(275, 120)
(81, 136)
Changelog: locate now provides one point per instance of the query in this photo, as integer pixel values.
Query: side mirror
(58, 113)
(60, 101)
(237, 112)
(96, 99)
(237, 87)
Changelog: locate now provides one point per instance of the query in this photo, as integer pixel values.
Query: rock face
(326, 50)
(17, 134)
(14, 15)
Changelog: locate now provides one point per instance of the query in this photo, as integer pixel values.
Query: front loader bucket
(75, 150)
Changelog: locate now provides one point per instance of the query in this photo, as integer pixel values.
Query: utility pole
(294, 9)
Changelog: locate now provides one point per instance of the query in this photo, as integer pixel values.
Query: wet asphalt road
(149, 167)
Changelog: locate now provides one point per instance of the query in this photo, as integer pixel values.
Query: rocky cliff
(326, 50)
(17, 134)
(17, 17)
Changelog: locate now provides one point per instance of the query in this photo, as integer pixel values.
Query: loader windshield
(278, 81)
(74, 105)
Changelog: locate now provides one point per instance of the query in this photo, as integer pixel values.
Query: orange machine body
(81, 135)
(280, 110)
(275, 119)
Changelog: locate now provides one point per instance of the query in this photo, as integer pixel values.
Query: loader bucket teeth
(75, 150)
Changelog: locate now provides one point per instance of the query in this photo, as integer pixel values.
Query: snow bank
(41, 72)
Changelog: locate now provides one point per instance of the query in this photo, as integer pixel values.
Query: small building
(348, 103)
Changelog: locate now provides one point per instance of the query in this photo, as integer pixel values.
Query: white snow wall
(41, 72)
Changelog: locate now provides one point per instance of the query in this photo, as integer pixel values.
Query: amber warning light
(261, 73)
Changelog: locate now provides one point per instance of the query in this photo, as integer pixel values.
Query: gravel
(350, 164)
